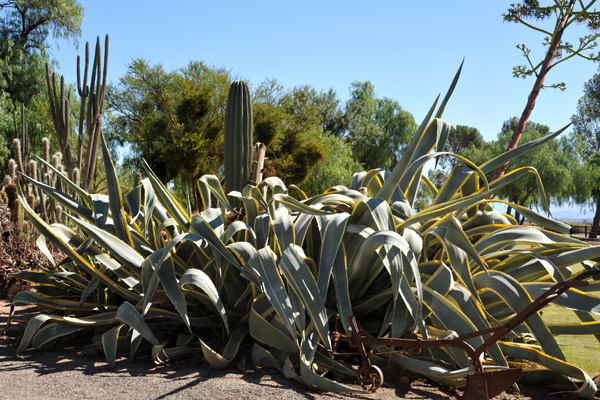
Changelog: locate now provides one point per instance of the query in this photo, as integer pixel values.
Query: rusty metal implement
(481, 384)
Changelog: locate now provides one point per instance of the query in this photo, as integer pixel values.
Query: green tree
(25, 26)
(293, 125)
(586, 124)
(557, 163)
(174, 120)
(336, 169)
(378, 130)
(460, 137)
(563, 14)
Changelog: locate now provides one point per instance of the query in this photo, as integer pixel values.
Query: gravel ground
(55, 373)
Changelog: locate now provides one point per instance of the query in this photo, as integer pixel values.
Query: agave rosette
(285, 267)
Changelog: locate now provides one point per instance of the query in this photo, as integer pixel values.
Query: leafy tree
(587, 130)
(563, 14)
(336, 169)
(168, 117)
(378, 129)
(460, 137)
(557, 163)
(25, 26)
(171, 117)
(292, 124)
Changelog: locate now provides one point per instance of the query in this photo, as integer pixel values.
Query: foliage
(337, 168)
(557, 163)
(378, 129)
(291, 124)
(25, 26)
(460, 137)
(179, 112)
(562, 14)
(283, 269)
(586, 124)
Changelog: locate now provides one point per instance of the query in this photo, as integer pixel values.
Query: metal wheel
(371, 380)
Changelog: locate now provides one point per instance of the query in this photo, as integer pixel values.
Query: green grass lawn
(581, 350)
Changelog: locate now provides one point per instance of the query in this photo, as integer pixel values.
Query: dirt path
(55, 373)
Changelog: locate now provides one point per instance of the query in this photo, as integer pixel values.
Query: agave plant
(284, 267)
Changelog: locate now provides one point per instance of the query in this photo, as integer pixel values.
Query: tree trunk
(537, 86)
(596, 222)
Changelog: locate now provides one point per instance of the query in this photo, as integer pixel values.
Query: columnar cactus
(18, 155)
(238, 137)
(46, 153)
(12, 170)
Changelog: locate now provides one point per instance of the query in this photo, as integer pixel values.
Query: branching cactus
(90, 113)
(238, 137)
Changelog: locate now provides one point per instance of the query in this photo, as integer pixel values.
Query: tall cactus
(90, 112)
(238, 137)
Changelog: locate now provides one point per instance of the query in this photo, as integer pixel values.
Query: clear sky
(408, 50)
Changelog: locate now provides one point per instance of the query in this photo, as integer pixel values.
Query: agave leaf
(302, 282)
(62, 198)
(442, 107)
(128, 314)
(584, 328)
(166, 274)
(90, 288)
(472, 309)
(455, 182)
(517, 298)
(539, 219)
(332, 239)
(128, 277)
(101, 208)
(251, 206)
(295, 205)
(213, 184)
(275, 184)
(73, 255)
(494, 163)
(524, 352)
(573, 298)
(200, 279)
(455, 235)
(236, 227)
(265, 332)
(29, 297)
(167, 200)
(43, 247)
(134, 201)
(109, 344)
(215, 360)
(506, 237)
(273, 287)
(261, 357)
(441, 280)
(114, 195)
(32, 327)
(120, 250)
(206, 232)
(238, 333)
(309, 377)
(412, 176)
(391, 183)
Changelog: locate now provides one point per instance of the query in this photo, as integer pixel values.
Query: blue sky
(408, 50)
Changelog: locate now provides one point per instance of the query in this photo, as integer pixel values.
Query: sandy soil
(55, 372)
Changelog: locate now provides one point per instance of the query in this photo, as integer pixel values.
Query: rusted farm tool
(481, 384)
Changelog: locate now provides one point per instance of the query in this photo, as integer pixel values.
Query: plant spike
(95, 109)
(60, 108)
(238, 137)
